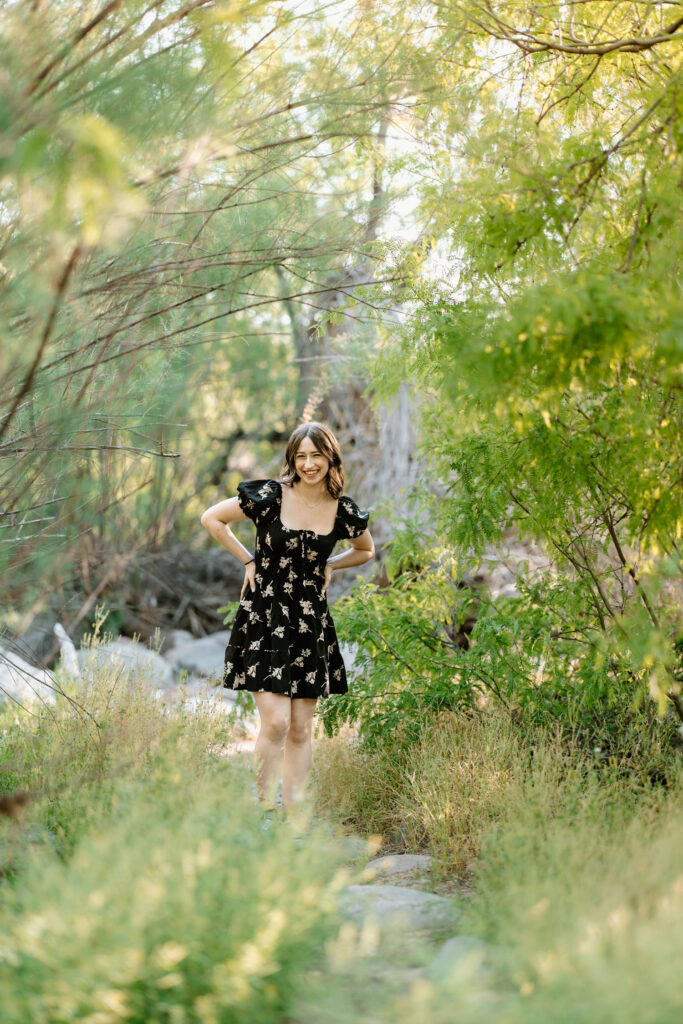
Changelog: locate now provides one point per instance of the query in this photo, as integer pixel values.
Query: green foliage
(433, 639)
(578, 890)
(569, 869)
(163, 898)
(549, 363)
(180, 183)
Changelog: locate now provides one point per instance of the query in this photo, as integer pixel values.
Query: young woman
(283, 645)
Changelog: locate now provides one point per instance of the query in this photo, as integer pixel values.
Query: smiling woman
(283, 646)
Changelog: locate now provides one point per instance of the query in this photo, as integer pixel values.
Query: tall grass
(576, 872)
(161, 898)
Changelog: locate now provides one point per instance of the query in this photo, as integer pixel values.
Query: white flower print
(282, 614)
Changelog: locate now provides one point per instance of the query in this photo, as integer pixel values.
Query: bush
(165, 900)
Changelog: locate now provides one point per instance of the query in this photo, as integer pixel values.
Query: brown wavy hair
(326, 443)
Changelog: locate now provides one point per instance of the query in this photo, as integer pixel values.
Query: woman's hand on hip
(328, 576)
(249, 574)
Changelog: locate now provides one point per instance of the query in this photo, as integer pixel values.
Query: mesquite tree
(550, 359)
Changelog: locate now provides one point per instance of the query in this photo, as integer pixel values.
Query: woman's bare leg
(297, 755)
(274, 711)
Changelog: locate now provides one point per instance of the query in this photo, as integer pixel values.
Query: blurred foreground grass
(154, 895)
(574, 870)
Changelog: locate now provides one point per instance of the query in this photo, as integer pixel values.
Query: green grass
(575, 868)
(160, 899)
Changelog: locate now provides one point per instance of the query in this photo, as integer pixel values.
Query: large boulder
(399, 864)
(24, 683)
(397, 907)
(202, 657)
(128, 657)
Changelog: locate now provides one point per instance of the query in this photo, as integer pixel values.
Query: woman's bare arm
(362, 550)
(217, 521)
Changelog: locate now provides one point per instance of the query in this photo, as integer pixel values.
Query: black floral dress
(283, 638)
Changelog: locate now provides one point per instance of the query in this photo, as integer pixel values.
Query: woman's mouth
(313, 472)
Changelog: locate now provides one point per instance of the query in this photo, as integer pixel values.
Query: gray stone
(69, 656)
(24, 683)
(356, 848)
(202, 657)
(460, 955)
(398, 906)
(39, 835)
(399, 863)
(176, 638)
(129, 657)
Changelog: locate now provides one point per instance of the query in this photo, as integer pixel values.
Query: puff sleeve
(259, 499)
(353, 520)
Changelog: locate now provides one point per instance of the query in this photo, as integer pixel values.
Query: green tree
(549, 356)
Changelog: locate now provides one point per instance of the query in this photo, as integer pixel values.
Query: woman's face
(311, 464)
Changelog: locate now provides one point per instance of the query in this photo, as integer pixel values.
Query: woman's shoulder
(259, 498)
(264, 489)
(354, 519)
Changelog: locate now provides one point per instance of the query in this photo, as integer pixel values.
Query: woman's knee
(300, 731)
(275, 727)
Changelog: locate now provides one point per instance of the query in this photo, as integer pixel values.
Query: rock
(399, 863)
(24, 683)
(398, 906)
(39, 835)
(202, 657)
(459, 956)
(69, 657)
(176, 638)
(356, 848)
(130, 657)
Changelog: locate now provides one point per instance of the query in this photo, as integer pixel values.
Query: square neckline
(295, 529)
